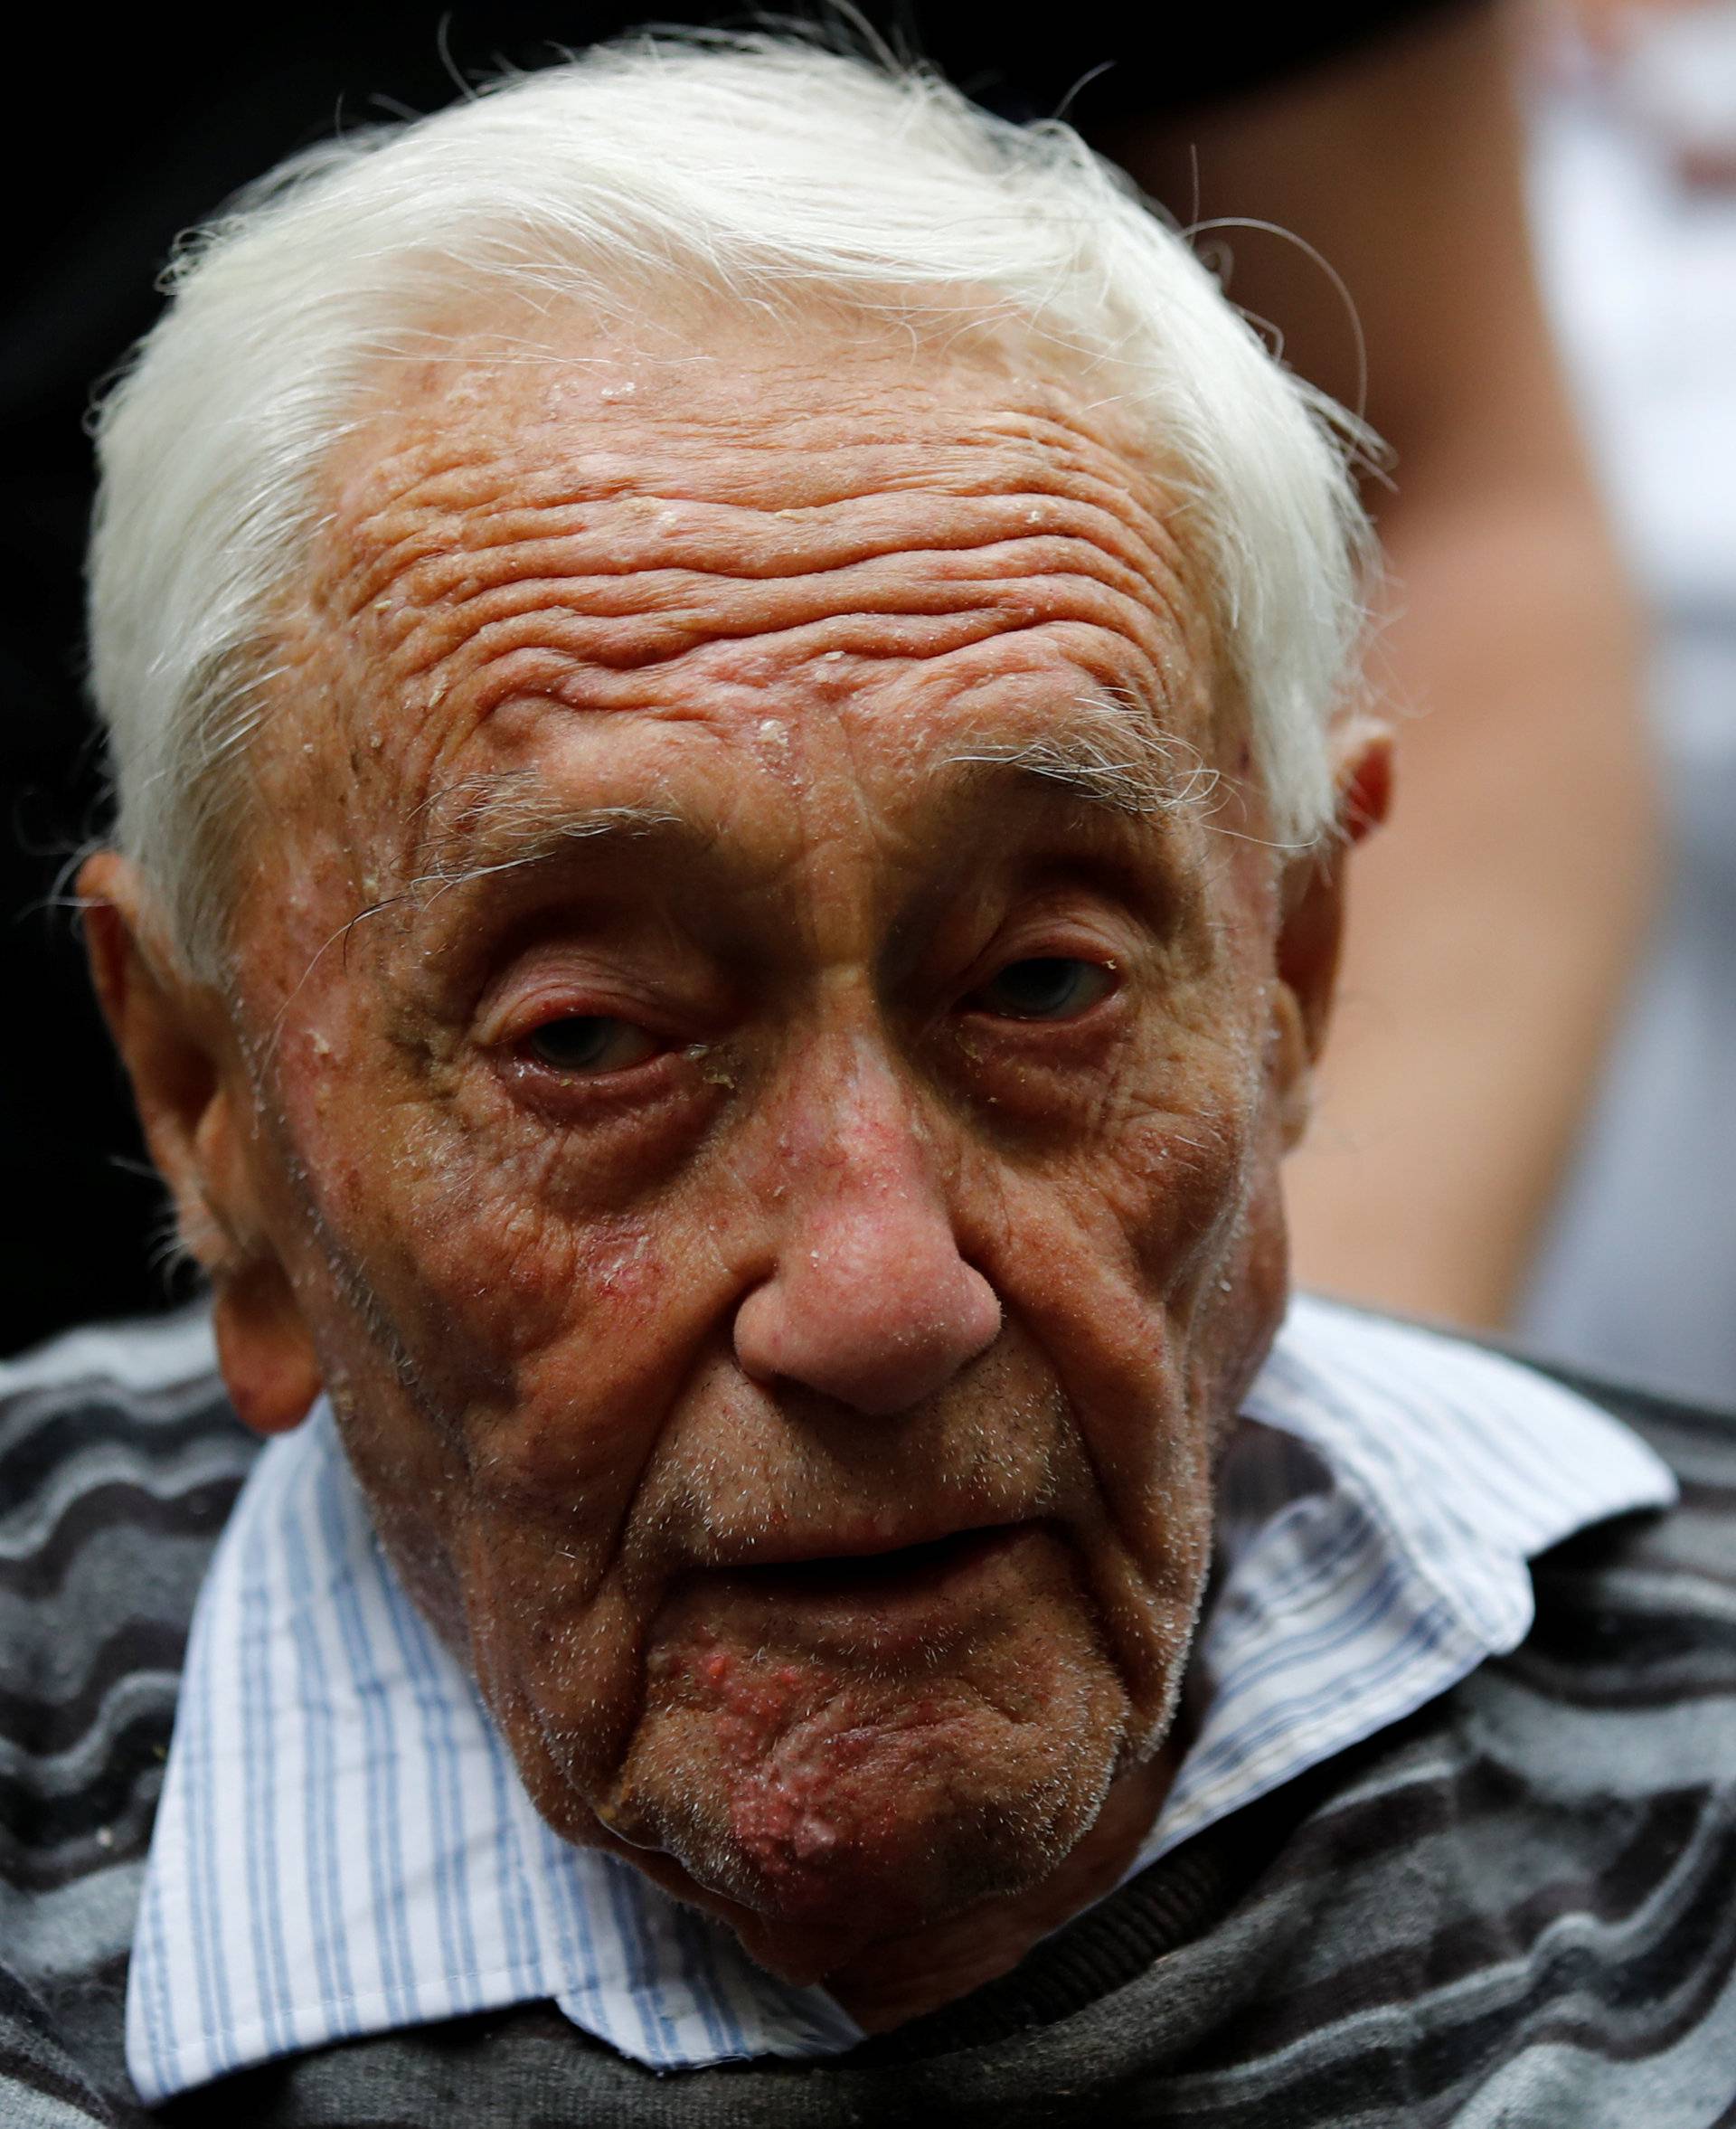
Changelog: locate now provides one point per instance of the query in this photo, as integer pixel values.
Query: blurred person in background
(1633, 125)
(1492, 944)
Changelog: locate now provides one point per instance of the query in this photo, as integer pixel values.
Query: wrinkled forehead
(894, 432)
(755, 521)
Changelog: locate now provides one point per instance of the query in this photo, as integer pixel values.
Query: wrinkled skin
(637, 1106)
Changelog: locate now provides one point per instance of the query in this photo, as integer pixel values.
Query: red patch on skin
(776, 1811)
(772, 1814)
(779, 1807)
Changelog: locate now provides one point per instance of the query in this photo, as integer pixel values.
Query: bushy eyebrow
(1108, 753)
(1104, 754)
(505, 824)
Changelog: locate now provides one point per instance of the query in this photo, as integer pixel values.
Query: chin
(835, 1822)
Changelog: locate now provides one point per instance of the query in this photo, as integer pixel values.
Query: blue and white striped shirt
(343, 1846)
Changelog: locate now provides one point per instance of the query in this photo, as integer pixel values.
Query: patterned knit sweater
(1518, 1908)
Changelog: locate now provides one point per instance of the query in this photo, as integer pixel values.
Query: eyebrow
(509, 824)
(1106, 756)
(1107, 752)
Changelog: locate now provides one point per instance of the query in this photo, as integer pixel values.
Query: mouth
(956, 1602)
(891, 1602)
(907, 1570)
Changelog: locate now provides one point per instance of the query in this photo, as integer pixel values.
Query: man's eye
(1050, 988)
(588, 1043)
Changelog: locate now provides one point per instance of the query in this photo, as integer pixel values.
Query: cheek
(1158, 1192)
(542, 1618)
(1243, 1304)
(459, 1240)
(1181, 1184)
(544, 1350)
(1148, 1267)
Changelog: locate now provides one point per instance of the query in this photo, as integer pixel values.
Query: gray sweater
(1517, 1907)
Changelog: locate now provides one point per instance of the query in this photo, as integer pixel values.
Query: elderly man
(728, 693)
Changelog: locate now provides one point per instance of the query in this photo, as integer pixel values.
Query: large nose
(870, 1301)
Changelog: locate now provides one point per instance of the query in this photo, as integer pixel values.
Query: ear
(198, 1111)
(1312, 925)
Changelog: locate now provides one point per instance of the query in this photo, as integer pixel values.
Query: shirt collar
(343, 1846)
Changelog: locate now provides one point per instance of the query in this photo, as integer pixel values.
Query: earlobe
(263, 1349)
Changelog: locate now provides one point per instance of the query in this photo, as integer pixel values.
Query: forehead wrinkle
(1026, 529)
(433, 498)
(918, 602)
(643, 585)
(882, 612)
(417, 515)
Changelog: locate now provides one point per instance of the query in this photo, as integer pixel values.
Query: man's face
(771, 1070)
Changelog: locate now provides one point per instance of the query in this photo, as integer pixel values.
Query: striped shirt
(342, 1847)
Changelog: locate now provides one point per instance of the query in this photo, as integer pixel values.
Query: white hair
(757, 168)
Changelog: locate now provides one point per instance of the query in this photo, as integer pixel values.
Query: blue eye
(1051, 987)
(590, 1043)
